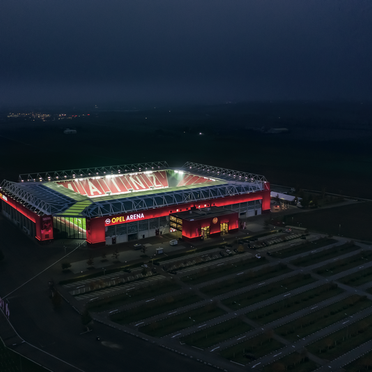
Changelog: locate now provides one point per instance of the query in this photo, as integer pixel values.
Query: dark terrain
(327, 144)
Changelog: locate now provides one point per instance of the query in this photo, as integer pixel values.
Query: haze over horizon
(187, 51)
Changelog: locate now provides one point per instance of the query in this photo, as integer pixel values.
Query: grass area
(175, 323)
(315, 258)
(218, 333)
(152, 290)
(345, 263)
(224, 269)
(342, 341)
(295, 361)
(349, 220)
(155, 307)
(267, 291)
(245, 279)
(362, 364)
(302, 248)
(323, 318)
(360, 277)
(252, 349)
(290, 305)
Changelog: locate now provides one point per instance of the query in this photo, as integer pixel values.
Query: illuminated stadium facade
(129, 202)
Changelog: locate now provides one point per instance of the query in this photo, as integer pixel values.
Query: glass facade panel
(110, 230)
(143, 225)
(163, 221)
(121, 229)
(69, 227)
(154, 223)
(132, 227)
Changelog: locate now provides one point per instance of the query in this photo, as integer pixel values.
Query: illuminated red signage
(126, 218)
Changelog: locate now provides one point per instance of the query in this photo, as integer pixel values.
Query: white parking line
(256, 365)
(262, 283)
(240, 338)
(150, 300)
(286, 295)
(215, 348)
(345, 322)
(176, 335)
(203, 325)
(314, 307)
(276, 355)
(172, 312)
(113, 311)
(240, 273)
(139, 324)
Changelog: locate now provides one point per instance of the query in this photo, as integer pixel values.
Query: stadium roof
(40, 192)
(93, 171)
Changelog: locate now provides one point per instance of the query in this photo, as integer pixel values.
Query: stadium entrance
(205, 232)
(224, 227)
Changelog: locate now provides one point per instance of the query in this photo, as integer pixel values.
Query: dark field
(354, 220)
(328, 144)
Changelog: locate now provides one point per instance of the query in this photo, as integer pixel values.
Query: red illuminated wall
(96, 232)
(43, 224)
(192, 229)
(44, 228)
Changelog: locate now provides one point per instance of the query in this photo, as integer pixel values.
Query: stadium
(115, 204)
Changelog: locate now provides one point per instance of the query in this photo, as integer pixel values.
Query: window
(132, 227)
(163, 221)
(154, 223)
(121, 229)
(143, 225)
(70, 227)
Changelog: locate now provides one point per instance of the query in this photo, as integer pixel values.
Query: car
(138, 247)
(159, 250)
(173, 242)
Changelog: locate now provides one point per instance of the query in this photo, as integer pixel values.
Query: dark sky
(94, 51)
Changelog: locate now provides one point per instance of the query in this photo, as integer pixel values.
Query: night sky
(95, 51)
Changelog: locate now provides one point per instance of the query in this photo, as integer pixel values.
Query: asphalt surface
(56, 338)
(53, 337)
